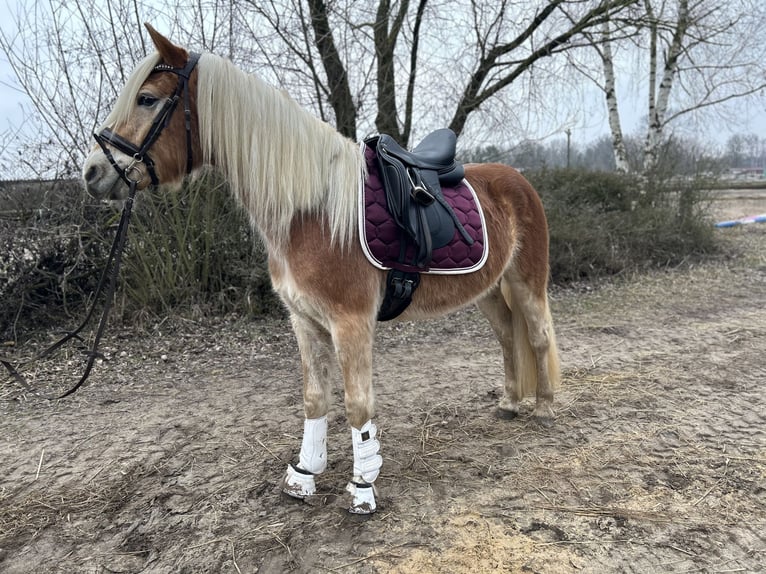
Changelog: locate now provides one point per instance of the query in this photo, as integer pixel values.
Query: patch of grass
(194, 247)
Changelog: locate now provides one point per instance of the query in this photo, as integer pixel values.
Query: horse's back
(503, 188)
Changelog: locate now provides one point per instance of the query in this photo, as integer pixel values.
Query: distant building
(745, 173)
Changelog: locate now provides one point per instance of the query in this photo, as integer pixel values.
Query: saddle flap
(393, 174)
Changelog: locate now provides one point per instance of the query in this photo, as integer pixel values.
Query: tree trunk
(660, 98)
(337, 78)
(615, 125)
(386, 120)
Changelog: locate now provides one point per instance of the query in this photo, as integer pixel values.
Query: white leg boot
(367, 463)
(299, 479)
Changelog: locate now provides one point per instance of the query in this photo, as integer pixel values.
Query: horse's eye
(147, 101)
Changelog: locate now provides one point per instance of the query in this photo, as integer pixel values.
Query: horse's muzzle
(101, 180)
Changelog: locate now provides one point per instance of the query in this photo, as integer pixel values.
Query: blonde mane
(280, 161)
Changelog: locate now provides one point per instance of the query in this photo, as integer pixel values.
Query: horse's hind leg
(315, 344)
(521, 320)
(536, 360)
(497, 312)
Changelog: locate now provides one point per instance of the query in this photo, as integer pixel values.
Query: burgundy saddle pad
(381, 237)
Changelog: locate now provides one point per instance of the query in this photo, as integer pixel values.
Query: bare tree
(337, 75)
(612, 103)
(71, 59)
(421, 58)
(699, 54)
(390, 66)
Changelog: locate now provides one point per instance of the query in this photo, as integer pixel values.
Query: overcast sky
(11, 98)
(590, 124)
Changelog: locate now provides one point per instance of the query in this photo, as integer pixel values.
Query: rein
(111, 272)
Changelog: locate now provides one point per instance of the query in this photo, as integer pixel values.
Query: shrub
(606, 223)
(194, 250)
(194, 247)
(52, 248)
(187, 250)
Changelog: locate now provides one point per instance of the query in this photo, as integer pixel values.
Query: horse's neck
(281, 161)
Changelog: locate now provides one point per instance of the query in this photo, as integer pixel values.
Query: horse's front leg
(315, 344)
(353, 339)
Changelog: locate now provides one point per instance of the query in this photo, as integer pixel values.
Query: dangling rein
(111, 272)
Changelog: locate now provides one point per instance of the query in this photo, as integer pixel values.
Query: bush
(53, 244)
(193, 250)
(606, 223)
(194, 247)
(190, 250)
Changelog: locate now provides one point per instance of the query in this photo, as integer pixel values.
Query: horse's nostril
(90, 175)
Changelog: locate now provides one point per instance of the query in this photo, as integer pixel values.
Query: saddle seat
(436, 152)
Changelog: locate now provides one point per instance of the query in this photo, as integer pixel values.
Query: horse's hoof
(543, 416)
(362, 498)
(298, 483)
(545, 422)
(506, 414)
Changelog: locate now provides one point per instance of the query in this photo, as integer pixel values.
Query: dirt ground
(169, 460)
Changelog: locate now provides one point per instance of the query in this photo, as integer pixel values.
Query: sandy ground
(169, 460)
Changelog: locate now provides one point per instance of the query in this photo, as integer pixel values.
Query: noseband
(140, 153)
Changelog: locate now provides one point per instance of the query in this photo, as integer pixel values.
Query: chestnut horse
(299, 181)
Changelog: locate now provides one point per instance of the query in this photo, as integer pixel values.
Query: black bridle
(140, 153)
(106, 137)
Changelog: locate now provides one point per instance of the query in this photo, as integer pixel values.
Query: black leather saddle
(413, 183)
(435, 153)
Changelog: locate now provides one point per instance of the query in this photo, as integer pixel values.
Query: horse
(298, 180)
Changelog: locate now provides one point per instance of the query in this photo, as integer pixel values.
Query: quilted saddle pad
(381, 237)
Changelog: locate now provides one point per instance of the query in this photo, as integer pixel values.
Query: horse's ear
(170, 53)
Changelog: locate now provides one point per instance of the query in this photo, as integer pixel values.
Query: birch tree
(612, 104)
(699, 55)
